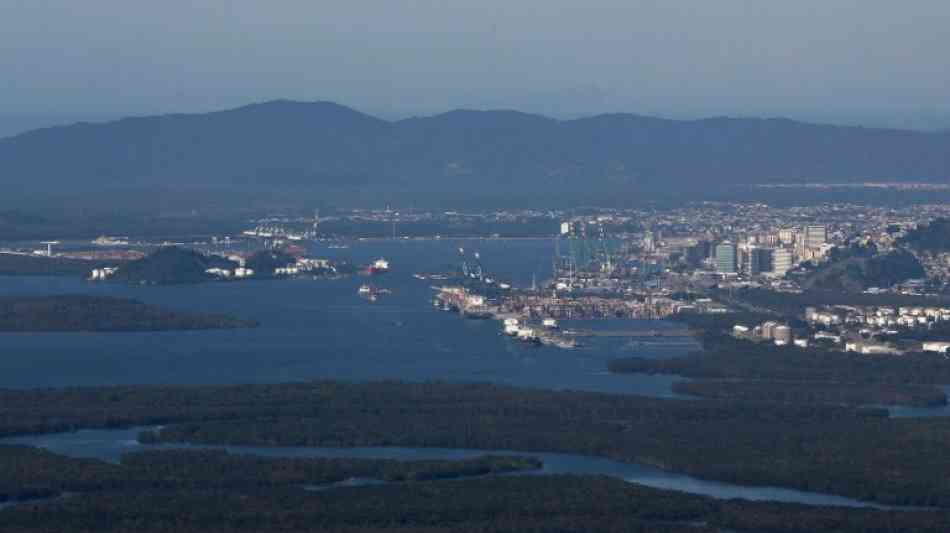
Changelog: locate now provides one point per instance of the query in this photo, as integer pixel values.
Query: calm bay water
(321, 329)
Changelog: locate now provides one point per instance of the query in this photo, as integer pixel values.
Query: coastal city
(703, 258)
(474, 267)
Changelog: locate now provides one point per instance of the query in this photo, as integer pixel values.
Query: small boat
(379, 266)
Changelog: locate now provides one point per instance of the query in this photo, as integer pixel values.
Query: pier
(636, 334)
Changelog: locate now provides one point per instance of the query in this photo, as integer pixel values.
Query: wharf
(640, 334)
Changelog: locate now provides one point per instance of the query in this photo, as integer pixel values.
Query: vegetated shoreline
(198, 490)
(31, 265)
(34, 474)
(88, 313)
(797, 392)
(822, 449)
(727, 367)
(570, 504)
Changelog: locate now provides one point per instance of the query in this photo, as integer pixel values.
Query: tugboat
(371, 292)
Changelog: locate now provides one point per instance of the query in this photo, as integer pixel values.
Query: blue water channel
(110, 445)
(321, 329)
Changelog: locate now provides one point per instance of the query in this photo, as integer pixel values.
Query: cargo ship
(514, 328)
(478, 313)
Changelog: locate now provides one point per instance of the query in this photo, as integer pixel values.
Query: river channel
(109, 445)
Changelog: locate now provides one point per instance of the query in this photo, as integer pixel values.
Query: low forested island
(76, 313)
(172, 265)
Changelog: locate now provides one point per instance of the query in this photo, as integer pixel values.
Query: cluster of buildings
(768, 253)
(102, 274)
(225, 273)
(877, 317)
(861, 328)
(778, 333)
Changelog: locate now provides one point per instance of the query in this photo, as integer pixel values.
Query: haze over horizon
(871, 63)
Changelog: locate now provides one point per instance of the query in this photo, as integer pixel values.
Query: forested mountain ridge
(285, 144)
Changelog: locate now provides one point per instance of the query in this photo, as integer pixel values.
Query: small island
(84, 313)
(172, 265)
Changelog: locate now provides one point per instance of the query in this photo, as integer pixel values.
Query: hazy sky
(804, 58)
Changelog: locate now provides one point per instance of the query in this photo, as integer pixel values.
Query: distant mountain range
(325, 146)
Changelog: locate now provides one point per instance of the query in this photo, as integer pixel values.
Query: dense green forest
(933, 237)
(171, 265)
(857, 272)
(27, 472)
(264, 262)
(102, 313)
(810, 447)
(798, 392)
(162, 499)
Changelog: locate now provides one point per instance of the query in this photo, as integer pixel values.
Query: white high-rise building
(782, 261)
(786, 236)
(815, 236)
(727, 258)
(649, 241)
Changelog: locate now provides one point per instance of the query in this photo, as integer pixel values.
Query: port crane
(49, 247)
(585, 252)
(472, 270)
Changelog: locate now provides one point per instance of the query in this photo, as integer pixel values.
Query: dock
(634, 334)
